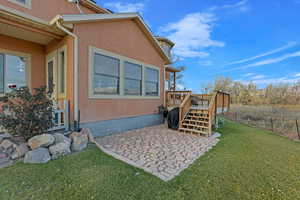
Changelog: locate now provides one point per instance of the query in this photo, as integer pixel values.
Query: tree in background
(250, 94)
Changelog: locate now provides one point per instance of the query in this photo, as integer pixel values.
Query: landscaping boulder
(19, 151)
(39, 155)
(6, 144)
(60, 138)
(4, 136)
(79, 141)
(87, 132)
(60, 149)
(44, 140)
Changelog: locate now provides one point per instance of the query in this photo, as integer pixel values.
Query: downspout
(76, 66)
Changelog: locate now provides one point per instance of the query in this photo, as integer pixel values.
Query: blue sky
(247, 40)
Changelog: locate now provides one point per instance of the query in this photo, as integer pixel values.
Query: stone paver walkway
(157, 150)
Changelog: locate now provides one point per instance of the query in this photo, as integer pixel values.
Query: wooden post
(223, 104)
(297, 129)
(174, 79)
(272, 125)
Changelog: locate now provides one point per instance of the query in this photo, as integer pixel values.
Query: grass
(247, 163)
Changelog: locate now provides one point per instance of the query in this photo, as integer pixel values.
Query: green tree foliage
(26, 114)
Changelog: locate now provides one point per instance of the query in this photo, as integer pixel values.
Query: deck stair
(196, 121)
(197, 112)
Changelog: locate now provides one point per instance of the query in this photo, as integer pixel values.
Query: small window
(24, 3)
(12, 72)
(152, 82)
(133, 79)
(106, 78)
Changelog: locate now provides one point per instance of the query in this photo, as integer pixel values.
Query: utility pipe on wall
(76, 66)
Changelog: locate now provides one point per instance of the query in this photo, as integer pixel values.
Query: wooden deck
(198, 112)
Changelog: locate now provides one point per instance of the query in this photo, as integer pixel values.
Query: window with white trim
(106, 75)
(133, 79)
(116, 76)
(12, 72)
(152, 82)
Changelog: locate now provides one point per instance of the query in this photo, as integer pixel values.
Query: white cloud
(267, 61)
(241, 6)
(297, 75)
(249, 74)
(258, 77)
(125, 7)
(206, 63)
(192, 34)
(287, 46)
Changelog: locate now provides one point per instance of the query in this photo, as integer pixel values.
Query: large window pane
(133, 79)
(152, 82)
(15, 67)
(105, 84)
(106, 65)
(1, 73)
(106, 75)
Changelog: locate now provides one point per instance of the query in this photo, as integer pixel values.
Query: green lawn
(246, 164)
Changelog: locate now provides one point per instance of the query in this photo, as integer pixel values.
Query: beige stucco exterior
(121, 37)
(124, 38)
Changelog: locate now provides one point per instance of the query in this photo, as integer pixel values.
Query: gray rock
(6, 144)
(39, 155)
(60, 138)
(79, 141)
(20, 151)
(43, 140)
(5, 136)
(60, 149)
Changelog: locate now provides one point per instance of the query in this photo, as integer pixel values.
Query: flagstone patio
(158, 150)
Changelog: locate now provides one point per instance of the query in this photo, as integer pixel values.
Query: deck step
(199, 111)
(194, 125)
(198, 117)
(196, 121)
(193, 131)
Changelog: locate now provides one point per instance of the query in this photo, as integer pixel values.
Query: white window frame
(27, 3)
(27, 68)
(93, 50)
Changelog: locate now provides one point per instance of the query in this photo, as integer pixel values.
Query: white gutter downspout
(76, 66)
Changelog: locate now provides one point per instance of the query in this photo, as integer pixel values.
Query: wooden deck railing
(175, 98)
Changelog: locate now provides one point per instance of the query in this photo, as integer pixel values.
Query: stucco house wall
(125, 38)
